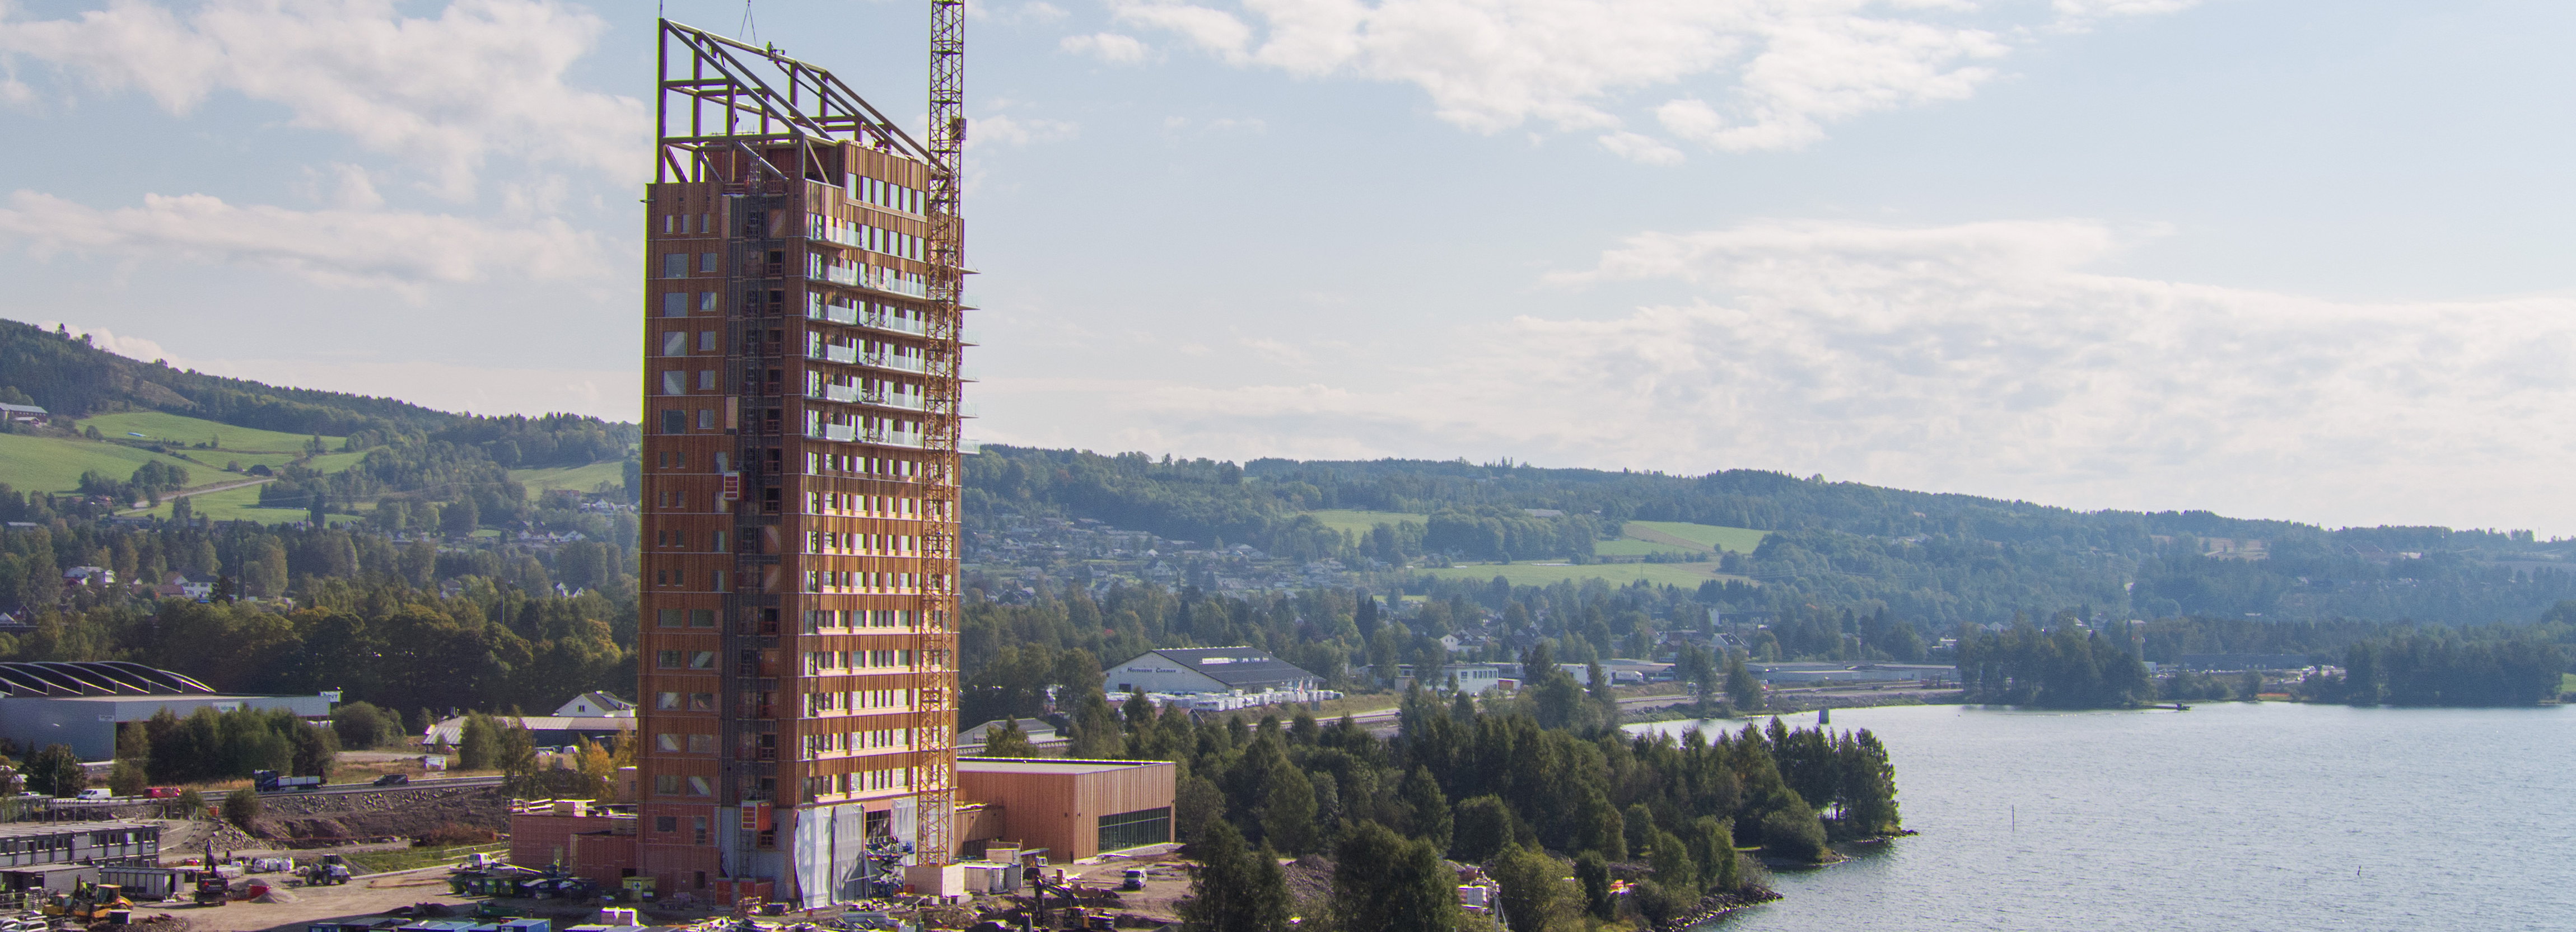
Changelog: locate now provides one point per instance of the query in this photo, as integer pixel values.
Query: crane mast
(936, 808)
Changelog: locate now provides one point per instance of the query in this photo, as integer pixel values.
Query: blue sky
(2274, 259)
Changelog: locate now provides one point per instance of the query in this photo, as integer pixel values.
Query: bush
(242, 808)
(361, 726)
(127, 779)
(190, 803)
(1794, 833)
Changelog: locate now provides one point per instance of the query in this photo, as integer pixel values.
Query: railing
(845, 433)
(885, 360)
(848, 394)
(833, 352)
(889, 437)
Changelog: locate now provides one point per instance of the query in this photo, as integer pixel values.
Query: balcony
(885, 360)
(844, 433)
(833, 352)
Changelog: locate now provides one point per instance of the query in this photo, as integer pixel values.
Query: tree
(458, 518)
(1288, 812)
(242, 808)
(1593, 874)
(478, 743)
(598, 770)
(1385, 883)
(1534, 897)
(1237, 889)
(1427, 815)
(1742, 689)
(1007, 740)
(1484, 825)
(361, 726)
(516, 757)
(1696, 666)
(56, 771)
(1096, 735)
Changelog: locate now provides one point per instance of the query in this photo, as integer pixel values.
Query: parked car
(160, 792)
(97, 792)
(393, 779)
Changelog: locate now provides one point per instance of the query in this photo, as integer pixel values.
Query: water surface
(2226, 817)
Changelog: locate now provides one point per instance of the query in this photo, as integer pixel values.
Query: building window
(702, 744)
(702, 702)
(668, 701)
(707, 262)
(675, 265)
(706, 418)
(1136, 829)
(675, 422)
(668, 618)
(698, 660)
(706, 341)
(666, 742)
(667, 659)
(666, 824)
(675, 382)
(675, 304)
(706, 380)
(702, 618)
(706, 302)
(675, 343)
(666, 784)
(701, 786)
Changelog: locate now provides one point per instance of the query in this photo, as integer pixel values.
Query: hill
(114, 415)
(1939, 559)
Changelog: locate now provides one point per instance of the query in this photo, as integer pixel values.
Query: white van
(98, 792)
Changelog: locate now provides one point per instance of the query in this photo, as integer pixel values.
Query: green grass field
(55, 464)
(1632, 547)
(1705, 536)
(1359, 522)
(1685, 575)
(173, 428)
(576, 478)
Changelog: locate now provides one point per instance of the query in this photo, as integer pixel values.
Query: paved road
(212, 488)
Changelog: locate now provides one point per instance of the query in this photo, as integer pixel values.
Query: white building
(1200, 670)
(596, 704)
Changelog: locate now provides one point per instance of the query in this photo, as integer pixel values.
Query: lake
(2233, 817)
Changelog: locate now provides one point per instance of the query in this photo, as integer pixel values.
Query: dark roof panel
(1238, 667)
(93, 678)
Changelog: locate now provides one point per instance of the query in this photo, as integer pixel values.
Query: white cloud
(1978, 358)
(129, 347)
(483, 77)
(336, 247)
(1757, 74)
(1110, 47)
(1641, 148)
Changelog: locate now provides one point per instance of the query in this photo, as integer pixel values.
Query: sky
(2296, 260)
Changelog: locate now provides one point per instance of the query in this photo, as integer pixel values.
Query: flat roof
(160, 697)
(67, 828)
(1049, 765)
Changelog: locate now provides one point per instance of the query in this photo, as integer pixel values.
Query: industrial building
(1200, 670)
(802, 334)
(80, 703)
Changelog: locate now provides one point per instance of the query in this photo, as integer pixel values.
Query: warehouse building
(80, 703)
(1199, 670)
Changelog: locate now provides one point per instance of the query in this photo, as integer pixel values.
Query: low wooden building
(1074, 809)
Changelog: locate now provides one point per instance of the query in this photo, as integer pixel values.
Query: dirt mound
(160, 922)
(947, 917)
(405, 813)
(1310, 878)
(275, 895)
